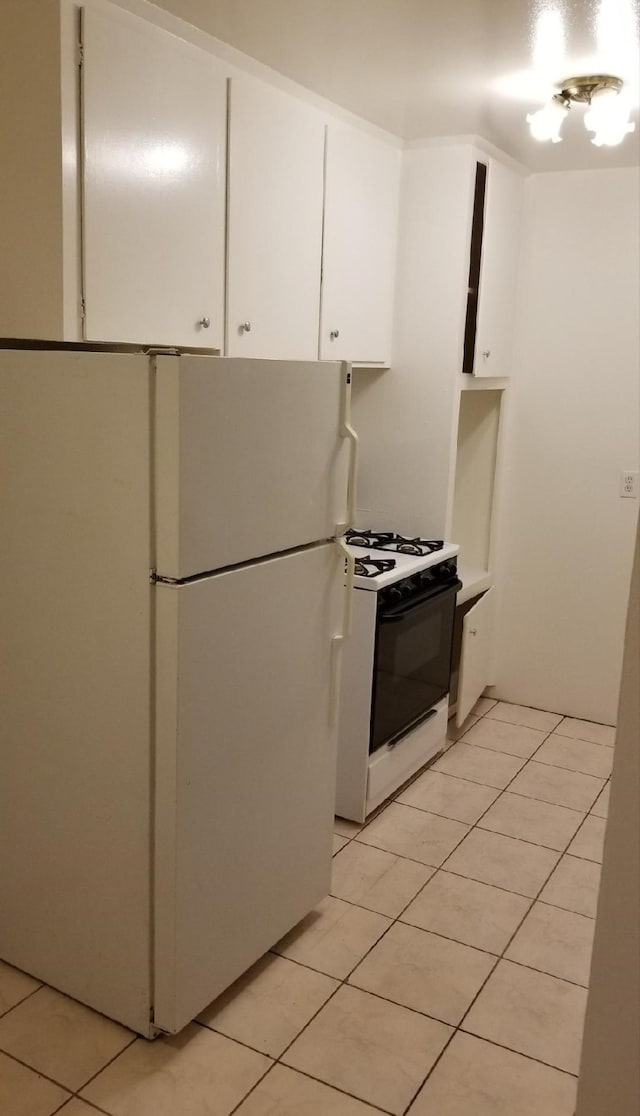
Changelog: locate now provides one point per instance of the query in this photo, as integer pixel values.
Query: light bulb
(608, 118)
(545, 124)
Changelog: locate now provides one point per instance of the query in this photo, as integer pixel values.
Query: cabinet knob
(205, 322)
(335, 333)
(245, 327)
(486, 353)
(473, 631)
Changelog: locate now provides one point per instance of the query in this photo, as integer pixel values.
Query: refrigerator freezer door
(245, 768)
(250, 460)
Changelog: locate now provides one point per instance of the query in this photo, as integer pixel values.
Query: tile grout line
(24, 998)
(77, 1093)
(492, 786)
(72, 1094)
(502, 955)
(545, 763)
(506, 947)
(552, 848)
(397, 918)
(278, 1060)
(90, 1105)
(515, 755)
(345, 980)
(40, 1073)
(433, 933)
(442, 867)
(580, 827)
(562, 767)
(498, 958)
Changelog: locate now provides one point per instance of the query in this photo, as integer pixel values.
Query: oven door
(412, 662)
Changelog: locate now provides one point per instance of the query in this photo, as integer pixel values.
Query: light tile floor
(445, 975)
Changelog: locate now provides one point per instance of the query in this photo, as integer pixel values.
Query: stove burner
(359, 538)
(371, 567)
(389, 540)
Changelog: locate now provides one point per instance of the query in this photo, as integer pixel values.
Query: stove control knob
(393, 594)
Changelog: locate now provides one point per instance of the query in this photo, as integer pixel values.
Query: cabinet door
(154, 135)
(245, 768)
(276, 157)
(475, 659)
(359, 248)
(499, 272)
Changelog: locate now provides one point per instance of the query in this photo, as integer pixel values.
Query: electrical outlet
(629, 484)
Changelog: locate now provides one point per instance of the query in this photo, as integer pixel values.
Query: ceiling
(424, 68)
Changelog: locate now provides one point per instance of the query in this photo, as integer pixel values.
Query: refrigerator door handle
(347, 431)
(338, 640)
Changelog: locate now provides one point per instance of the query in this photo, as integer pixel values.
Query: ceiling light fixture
(607, 116)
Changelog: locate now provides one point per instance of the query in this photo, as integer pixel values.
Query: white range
(396, 666)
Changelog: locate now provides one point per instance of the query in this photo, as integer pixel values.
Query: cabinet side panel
(31, 178)
(75, 675)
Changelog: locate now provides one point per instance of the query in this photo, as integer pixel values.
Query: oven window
(412, 665)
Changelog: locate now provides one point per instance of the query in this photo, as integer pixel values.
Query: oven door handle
(400, 611)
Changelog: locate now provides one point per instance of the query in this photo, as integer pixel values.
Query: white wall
(565, 537)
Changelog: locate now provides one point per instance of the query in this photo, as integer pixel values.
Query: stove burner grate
(390, 540)
(371, 567)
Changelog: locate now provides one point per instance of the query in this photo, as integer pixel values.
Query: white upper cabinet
(498, 271)
(359, 251)
(153, 184)
(276, 157)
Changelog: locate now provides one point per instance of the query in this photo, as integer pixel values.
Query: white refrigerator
(172, 601)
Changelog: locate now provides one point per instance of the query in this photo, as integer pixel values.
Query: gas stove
(383, 558)
(395, 667)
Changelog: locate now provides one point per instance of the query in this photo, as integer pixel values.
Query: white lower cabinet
(359, 246)
(153, 184)
(276, 160)
(475, 654)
